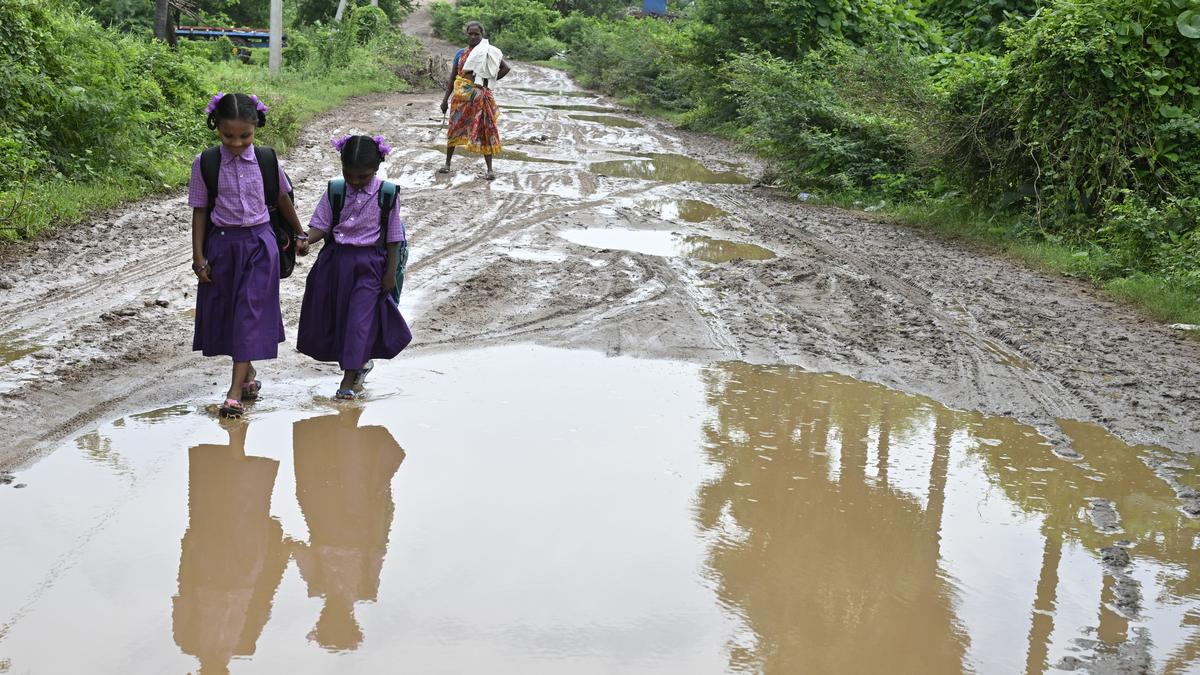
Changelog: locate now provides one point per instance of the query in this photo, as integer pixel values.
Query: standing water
(528, 510)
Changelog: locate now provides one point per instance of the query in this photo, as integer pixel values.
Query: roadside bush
(971, 25)
(842, 119)
(641, 60)
(523, 29)
(322, 11)
(82, 99)
(1093, 102)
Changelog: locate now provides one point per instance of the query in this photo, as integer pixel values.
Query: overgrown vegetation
(93, 115)
(1067, 131)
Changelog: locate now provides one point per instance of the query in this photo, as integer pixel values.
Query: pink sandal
(250, 390)
(232, 409)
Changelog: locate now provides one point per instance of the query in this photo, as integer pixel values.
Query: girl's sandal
(250, 390)
(345, 395)
(444, 169)
(489, 176)
(232, 409)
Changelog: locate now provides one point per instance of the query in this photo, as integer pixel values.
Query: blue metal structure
(243, 37)
(654, 7)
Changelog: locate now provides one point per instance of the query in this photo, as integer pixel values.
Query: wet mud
(1054, 527)
(608, 121)
(769, 520)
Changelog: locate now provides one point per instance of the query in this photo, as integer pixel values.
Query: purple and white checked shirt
(240, 198)
(359, 225)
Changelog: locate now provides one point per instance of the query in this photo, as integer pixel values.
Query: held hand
(389, 283)
(302, 247)
(445, 106)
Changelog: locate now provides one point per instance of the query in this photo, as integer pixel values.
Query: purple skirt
(238, 313)
(346, 317)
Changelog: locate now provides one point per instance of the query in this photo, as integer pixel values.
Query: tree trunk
(340, 10)
(162, 20)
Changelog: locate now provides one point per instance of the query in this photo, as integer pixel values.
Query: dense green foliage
(96, 113)
(1064, 123)
(521, 28)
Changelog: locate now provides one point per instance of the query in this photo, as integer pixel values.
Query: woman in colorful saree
(473, 110)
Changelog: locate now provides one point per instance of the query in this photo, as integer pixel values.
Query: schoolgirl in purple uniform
(348, 315)
(237, 262)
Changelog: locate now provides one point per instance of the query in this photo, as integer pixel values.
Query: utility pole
(341, 8)
(275, 59)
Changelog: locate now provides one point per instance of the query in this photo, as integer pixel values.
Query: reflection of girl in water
(343, 483)
(233, 554)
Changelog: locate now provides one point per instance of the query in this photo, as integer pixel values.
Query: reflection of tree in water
(832, 577)
(831, 566)
(343, 482)
(233, 555)
(1149, 518)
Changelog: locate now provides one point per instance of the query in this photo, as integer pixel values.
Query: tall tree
(162, 20)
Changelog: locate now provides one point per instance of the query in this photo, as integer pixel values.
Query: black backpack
(387, 201)
(268, 165)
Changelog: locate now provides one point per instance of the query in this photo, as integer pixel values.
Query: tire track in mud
(844, 293)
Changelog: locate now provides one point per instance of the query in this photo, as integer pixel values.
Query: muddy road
(607, 233)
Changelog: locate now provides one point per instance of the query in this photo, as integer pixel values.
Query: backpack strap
(268, 165)
(387, 201)
(210, 171)
(337, 199)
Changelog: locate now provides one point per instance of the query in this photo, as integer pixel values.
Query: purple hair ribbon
(212, 102)
(259, 105)
(339, 143)
(381, 144)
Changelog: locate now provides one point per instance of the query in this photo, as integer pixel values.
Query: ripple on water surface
(528, 510)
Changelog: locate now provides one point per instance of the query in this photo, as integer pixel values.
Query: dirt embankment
(97, 318)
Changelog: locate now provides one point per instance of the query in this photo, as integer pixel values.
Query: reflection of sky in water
(566, 512)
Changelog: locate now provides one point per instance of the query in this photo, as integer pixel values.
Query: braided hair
(236, 107)
(361, 152)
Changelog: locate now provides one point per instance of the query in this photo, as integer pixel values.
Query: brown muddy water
(667, 244)
(668, 168)
(12, 348)
(530, 510)
(690, 210)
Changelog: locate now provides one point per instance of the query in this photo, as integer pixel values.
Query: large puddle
(528, 510)
(667, 244)
(668, 168)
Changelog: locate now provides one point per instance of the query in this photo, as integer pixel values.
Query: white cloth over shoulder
(484, 61)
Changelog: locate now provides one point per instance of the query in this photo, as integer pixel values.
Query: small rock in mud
(1104, 516)
(1115, 557)
(18, 486)
(127, 311)
(162, 302)
(6, 283)
(6, 478)
(1069, 454)
(1070, 663)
